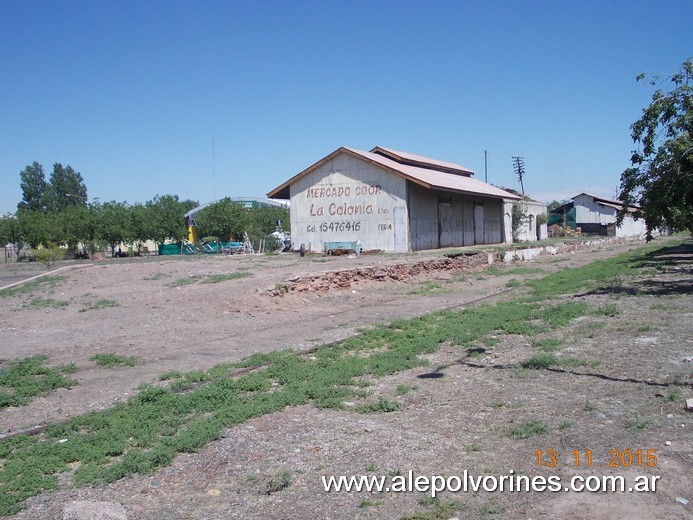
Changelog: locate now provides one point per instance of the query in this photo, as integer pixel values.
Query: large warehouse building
(393, 201)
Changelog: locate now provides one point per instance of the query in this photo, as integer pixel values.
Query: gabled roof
(615, 204)
(423, 162)
(429, 173)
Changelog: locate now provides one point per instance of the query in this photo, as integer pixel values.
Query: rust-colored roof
(426, 172)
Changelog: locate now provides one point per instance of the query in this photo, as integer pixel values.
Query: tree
(114, 224)
(660, 180)
(224, 219)
(34, 186)
(262, 222)
(556, 204)
(65, 188)
(166, 218)
(36, 227)
(11, 233)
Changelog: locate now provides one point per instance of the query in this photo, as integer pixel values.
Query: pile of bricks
(336, 280)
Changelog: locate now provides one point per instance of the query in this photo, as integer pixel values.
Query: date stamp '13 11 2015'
(627, 458)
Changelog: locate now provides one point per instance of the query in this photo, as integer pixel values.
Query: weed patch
(113, 360)
(547, 344)
(99, 304)
(43, 284)
(438, 510)
(24, 379)
(210, 278)
(48, 303)
(527, 429)
(540, 361)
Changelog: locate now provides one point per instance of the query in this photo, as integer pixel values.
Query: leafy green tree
(140, 226)
(10, 233)
(114, 224)
(660, 180)
(225, 219)
(556, 204)
(65, 188)
(36, 227)
(262, 222)
(34, 187)
(78, 224)
(166, 218)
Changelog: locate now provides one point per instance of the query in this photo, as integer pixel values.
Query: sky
(209, 99)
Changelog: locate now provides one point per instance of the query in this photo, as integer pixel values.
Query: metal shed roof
(429, 173)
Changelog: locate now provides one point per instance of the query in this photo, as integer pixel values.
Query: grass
(371, 503)
(24, 379)
(540, 361)
(381, 405)
(438, 510)
(608, 309)
(527, 429)
(209, 278)
(279, 482)
(404, 389)
(636, 424)
(492, 508)
(184, 412)
(48, 303)
(547, 344)
(99, 304)
(113, 360)
(42, 284)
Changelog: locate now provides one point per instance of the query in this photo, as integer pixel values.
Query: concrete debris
(398, 272)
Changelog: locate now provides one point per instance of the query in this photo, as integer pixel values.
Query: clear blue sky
(133, 94)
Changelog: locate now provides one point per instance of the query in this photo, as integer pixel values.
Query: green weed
(635, 424)
(540, 361)
(492, 508)
(547, 344)
(99, 304)
(527, 429)
(381, 405)
(608, 309)
(50, 303)
(218, 278)
(279, 482)
(42, 284)
(24, 379)
(440, 510)
(404, 389)
(113, 360)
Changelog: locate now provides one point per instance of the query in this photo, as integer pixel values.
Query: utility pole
(485, 165)
(519, 167)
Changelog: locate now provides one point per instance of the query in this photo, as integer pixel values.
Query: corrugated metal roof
(431, 178)
(421, 161)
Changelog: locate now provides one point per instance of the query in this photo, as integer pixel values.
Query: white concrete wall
(528, 230)
(631, 228)
(348, 199)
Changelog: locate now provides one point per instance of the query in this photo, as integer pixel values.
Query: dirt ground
(161, 311)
